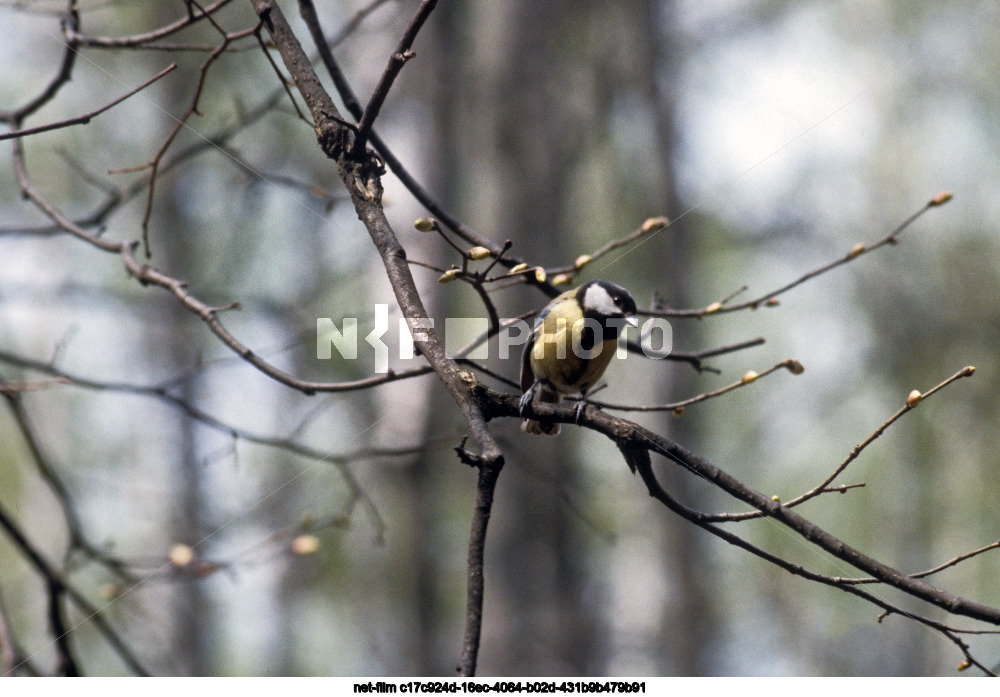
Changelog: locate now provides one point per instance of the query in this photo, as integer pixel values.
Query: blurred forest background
(774, 134)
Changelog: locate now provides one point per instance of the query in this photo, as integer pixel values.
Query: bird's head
(604, 300)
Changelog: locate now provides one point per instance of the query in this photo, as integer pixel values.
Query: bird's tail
(538, 428)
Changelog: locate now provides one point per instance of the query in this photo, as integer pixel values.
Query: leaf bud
(657, 223)
(941, 199)
(305, 544)
(794, 367)
(180, 555)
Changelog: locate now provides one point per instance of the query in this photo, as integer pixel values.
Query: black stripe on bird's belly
(588, 335)
(580, 374)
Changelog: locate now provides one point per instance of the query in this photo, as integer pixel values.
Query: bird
(573, 340)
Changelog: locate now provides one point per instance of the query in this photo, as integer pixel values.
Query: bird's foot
(526, 400)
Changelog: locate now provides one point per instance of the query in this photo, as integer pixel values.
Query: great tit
(574, 338)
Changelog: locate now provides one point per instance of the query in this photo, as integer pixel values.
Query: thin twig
(141, 40)
(696, 358)
(631, 435)
(154, 164)
(640, 462)
(63, 76)
(824, 486)
(855, 252)
(362, 177)
(355, 109)
(650, 226)
(940, 567)
(678, 407)
(397, 60)
(85, 118)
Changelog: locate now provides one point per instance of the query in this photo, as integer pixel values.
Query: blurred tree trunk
(525, 132)
(187, 525)
(686, 622)
(172, 246)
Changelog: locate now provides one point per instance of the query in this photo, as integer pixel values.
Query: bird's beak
(632, 321)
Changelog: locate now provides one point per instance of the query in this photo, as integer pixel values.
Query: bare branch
(353, 106)
(362, 179)
(397, 60)
(55, 580)
(630, 435)
(824, 486)
(485, 487)
(791, 365)
(15, 117)
(770, 298)
(957, 560)
(85, 118)
(141, 40)
(940, 567)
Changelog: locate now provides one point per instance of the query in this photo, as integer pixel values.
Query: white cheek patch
(597, 299)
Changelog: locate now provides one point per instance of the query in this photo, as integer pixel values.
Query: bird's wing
(527, 375)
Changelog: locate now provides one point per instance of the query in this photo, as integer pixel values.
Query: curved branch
(139, 40)
(63, 76)
(630, 435)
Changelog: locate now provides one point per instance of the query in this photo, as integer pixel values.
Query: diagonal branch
(55, 580)
(361, 176)
(856, 451)
(627, 434)
(140, 40)
(85, 118)
(397, 60)
(63, 76)
(425, 198)
(638, 459)
(857, 251)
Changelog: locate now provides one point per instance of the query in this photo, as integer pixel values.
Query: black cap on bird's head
(605, 300)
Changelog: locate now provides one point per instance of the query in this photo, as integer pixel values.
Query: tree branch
(630, 435)
(397, 60)
(475, 573)
(361, 176)
(770, 297)
(54, 579)
(85, 118)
